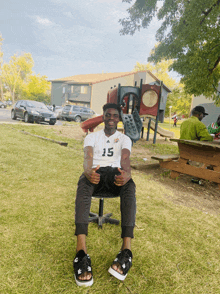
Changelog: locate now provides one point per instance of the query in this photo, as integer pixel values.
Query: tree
(37, 88)
(1, 62)
(160, 70)
(189, 35)
(179, 100)
(14, 73)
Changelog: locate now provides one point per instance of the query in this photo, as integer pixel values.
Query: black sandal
(82, 264)
(124, 259)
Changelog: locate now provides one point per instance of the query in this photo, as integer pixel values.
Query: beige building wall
(149, 79)
(100, 91)
(200, 100)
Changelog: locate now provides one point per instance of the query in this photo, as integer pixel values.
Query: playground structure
(150, 124)
(139, 105)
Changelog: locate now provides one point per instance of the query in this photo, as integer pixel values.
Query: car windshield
(36, 104)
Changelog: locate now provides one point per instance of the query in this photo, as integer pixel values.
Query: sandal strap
(82, 263)
(124, 258)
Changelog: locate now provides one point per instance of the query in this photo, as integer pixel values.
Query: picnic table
(207, 154)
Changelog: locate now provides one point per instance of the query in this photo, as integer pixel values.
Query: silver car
(76, 113)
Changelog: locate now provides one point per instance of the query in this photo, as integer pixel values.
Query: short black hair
(111, 105)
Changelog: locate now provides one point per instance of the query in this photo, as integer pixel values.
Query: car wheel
(13, 116)
(77, 118)
(26, 117)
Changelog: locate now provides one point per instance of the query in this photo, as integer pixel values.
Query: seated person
(106, 168)
(214, 128)
(193, 128)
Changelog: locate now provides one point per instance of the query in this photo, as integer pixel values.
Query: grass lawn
(176, 249)
(168, 125)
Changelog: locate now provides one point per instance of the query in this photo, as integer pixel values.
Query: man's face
(111, 118)
(201, 116)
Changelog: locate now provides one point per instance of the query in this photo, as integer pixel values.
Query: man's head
(218, 121)
(111, 117)
(199, 111)
(111, 105)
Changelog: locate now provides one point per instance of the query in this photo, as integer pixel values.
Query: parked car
(33, 111)
(50, 107)
(58, 111)
(76, 113)
(8, 102)
(3, 104)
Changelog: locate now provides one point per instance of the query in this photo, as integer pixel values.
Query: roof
(93, 78)
(101, 77)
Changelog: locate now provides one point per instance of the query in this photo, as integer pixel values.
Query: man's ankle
(81, 243)
(126, 243)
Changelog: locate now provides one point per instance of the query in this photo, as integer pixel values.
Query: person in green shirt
(193, 128)
(214, 128)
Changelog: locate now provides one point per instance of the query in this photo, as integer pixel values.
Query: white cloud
(44, 21)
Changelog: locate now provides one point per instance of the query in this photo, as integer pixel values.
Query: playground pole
(148, 130)
(158, 111)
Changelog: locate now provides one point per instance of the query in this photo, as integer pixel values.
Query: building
(91, 89)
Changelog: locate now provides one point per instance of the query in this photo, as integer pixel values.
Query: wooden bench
(207, 154)
(165, 158)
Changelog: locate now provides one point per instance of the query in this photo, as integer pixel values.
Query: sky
(71, 37)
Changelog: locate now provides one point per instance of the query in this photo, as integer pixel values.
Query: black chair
(100, 219)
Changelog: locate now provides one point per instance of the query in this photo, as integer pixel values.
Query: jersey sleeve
(89, 140)
(126, 144)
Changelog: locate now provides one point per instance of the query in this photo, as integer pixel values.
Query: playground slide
(162, 132)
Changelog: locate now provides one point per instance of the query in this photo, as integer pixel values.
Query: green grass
(157, 148)
(176, 249)
(168, 125)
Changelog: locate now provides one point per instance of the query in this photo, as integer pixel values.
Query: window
(64, 89)
(85, 110)
(18, 103)
(84, 90)
(23, 104)
(67, 107)
(72, 89)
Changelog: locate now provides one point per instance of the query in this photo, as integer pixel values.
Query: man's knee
(129, 188)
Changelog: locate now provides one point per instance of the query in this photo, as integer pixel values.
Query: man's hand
(92, 175)
(122, 179)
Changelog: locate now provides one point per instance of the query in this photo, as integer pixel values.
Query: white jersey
(107, 150)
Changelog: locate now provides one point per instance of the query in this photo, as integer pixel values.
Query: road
(5, 116)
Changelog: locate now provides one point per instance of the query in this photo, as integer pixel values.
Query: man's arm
(90, 172)
(203, 133)
(125, 175)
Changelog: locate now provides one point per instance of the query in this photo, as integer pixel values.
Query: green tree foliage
(179, 100)
(19, 79)
(15, 73)
(160, 70)
(37, 88)
(1, 62)
(189, 35)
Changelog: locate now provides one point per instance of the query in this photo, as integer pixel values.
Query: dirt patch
(205, 198)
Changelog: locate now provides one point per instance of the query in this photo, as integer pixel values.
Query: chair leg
(100, 219)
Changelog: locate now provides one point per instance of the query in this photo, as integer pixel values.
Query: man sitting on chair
(106, 168)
